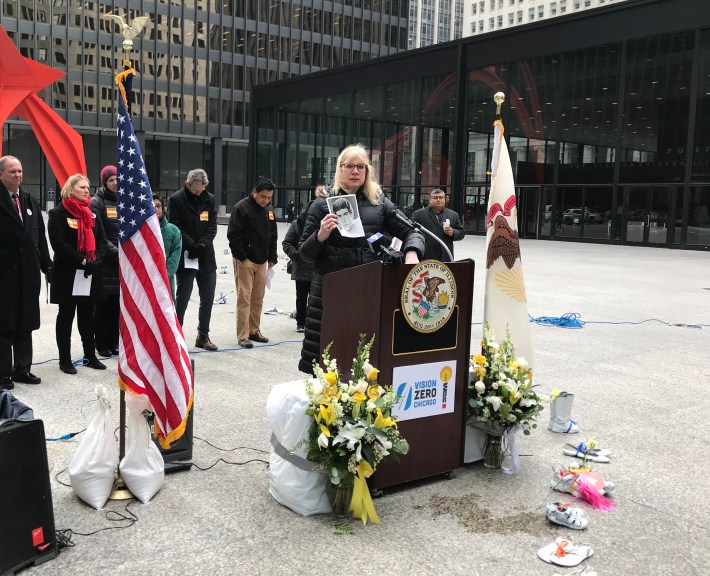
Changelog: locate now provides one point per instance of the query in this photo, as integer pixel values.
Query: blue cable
(568, 320)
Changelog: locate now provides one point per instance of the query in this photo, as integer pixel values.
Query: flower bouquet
(502, 397)
(352, 429)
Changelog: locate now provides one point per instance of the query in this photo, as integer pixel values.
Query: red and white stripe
(154, 358)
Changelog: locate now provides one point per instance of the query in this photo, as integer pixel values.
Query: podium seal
(428, 296)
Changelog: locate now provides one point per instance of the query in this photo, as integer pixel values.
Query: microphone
(385, 253)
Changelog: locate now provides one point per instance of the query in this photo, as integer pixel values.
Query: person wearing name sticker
(252, 239)
(78, 240)
(193, 210)
(443, 222)
(328, 250)
(23, 253)
(106, 311)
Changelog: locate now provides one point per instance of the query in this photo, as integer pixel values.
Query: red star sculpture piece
(20, 80)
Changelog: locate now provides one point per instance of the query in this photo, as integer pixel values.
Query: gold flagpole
(120, 491)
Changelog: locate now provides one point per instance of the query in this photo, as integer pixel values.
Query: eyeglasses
(351, 167)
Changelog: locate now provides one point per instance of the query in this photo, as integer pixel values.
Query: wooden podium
(367, 299)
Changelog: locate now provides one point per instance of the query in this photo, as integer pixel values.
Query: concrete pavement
(640, 389)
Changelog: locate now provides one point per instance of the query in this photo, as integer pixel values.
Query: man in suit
(192, 209)
(23, 253)
(443, 222)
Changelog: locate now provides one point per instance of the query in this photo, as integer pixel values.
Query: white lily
(322, 441)
(480, 387)
(494, 401)
(350, 434)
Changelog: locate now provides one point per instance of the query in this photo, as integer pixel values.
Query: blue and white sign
(424, 389)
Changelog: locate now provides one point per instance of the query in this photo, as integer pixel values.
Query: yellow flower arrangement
(501, 390)
(353, 429)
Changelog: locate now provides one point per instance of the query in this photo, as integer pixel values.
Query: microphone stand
(412, 225)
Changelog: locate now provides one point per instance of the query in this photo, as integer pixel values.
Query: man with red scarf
(23, 253)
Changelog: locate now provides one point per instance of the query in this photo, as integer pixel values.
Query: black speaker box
(27, 533)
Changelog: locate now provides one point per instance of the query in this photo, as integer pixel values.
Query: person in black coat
(77, 238)
(443, 222)
(192, 209)
(328, 251)
(106, 311)
(23, 253)
(301, 271)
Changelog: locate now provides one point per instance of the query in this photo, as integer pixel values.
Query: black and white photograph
(345, 208)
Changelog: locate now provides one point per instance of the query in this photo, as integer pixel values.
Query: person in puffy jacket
(77, 238)
(106, 310)
(328, 251)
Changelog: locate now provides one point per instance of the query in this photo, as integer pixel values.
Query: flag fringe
(121, 79)
(177, 433)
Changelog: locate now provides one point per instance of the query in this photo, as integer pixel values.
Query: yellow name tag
(204, 216)
(271, 215)
(72, 223)
(111, 212)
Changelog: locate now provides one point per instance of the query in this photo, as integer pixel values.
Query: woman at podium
(329, 251)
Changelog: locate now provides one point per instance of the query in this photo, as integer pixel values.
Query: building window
(491, 23)
(563, 6)
(553, 8)
(520, 16)
(482, 5)
(474, 8)
(480, 25)
(541, 11)
(511, 19)
(531, 14)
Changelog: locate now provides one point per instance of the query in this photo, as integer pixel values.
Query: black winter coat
(67, 259)
(300, 269)
(104, 204)
(338, 253)
(428, 218)
(196, 218)
(23, 253)
(252, 232)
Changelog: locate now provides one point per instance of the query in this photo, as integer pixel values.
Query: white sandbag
(142, 467)
(92, 470)
(300, 490)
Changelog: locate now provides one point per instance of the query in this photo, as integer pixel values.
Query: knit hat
(106, 173)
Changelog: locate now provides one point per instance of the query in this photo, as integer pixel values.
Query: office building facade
(607, 119)
(197, 63)
(488, 15)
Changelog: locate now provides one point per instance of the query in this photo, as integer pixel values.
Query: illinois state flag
(505, 303)
(153, 357)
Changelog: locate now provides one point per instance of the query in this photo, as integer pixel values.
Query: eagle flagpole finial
(129, 32)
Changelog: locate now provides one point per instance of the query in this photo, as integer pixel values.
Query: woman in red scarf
(74, 233)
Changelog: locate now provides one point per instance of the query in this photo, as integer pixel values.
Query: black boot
(93, 362)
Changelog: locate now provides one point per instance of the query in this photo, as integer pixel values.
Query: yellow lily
(373, 392)
(331, 378)
(555, 393)
(373, 374)
(514, 397)
(326, 414)
(358, 397)
(480, 359)
(325, 430)
(383, 422)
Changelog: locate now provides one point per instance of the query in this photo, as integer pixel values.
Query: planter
(340, 497)
(493, 451)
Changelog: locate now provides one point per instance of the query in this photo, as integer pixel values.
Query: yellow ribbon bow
(361, 504)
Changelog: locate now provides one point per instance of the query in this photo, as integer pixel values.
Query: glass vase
(493, 451)
(340, 496)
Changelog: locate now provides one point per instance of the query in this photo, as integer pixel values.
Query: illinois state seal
(428, 296)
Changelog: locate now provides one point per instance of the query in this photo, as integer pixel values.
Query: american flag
(153, 357)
